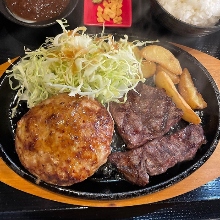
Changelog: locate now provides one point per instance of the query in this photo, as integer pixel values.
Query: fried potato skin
(175, 78)
(189, 92)
(148, 68)
(162, 56)
(137, 52)
(162, 80)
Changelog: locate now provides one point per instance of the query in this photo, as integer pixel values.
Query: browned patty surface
(64, 139)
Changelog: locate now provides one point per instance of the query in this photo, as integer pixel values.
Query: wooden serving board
(207, 172)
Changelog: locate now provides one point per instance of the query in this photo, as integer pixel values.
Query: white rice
(197, 12)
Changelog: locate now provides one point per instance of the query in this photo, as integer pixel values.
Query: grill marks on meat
(148, 113)
(156, 156)
(64, 139)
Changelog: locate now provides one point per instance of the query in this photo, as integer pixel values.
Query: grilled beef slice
(148, 113)
(156, 156)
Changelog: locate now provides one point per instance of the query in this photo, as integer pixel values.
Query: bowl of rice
(192, 18)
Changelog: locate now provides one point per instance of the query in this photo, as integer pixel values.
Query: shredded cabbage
(78, 63)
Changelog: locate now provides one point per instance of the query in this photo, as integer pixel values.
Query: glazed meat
(156, 156)
(148, 113)
(64, 139)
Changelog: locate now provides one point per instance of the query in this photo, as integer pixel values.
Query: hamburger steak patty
(148, 113)
(156, 156)
(64, 139)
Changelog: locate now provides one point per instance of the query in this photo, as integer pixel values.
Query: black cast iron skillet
(107, 184)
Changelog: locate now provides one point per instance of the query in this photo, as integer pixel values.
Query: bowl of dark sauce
(36, 13)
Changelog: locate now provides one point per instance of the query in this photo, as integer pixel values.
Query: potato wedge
(175, 78)
(137, 52)
(162, 56)
(162, 80)
(189, 92)
(148, 68)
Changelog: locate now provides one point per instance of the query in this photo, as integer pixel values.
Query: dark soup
(36, 10)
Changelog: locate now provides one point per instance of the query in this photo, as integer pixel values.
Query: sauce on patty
(36, 10)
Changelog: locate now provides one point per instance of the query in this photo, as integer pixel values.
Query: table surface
(201, 203)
